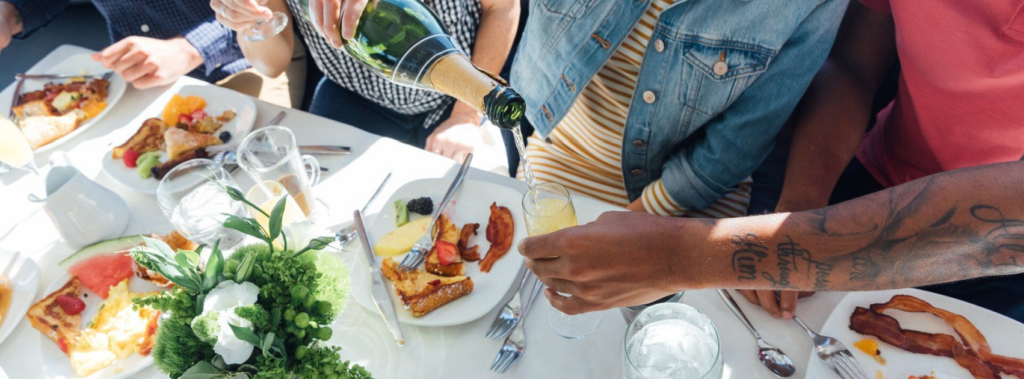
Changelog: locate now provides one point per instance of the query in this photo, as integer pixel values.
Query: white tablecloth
(452, 352)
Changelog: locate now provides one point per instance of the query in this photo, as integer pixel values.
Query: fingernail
(520, 246)
(787, 315)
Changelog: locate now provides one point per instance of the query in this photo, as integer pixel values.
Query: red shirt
(960, 101)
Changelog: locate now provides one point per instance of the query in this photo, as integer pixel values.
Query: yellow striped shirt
(585, 149)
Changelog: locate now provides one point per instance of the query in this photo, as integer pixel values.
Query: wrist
(691, 253)
(465, 113)
(195, 59)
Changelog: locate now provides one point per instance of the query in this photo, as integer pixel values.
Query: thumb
(542, 246)
(96, 56)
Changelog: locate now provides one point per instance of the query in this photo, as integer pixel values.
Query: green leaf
(278, 346)
(245, 334)
(183, 260)
(159, 246)
(163, 261)
(245, 268)
(276, 217)
(315, 244)
(200, 299)
(199, 250)
(202, 370)
(268, 340)
(247, 226)
(214, 266)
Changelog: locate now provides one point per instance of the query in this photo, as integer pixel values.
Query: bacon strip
(887, 329)
(969, 334)
(500, 230)
(469, 254)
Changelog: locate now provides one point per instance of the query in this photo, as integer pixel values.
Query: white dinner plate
(471, 204)
(73, 65)
(56, 364)
(1003, 334)
(217, 99)
(25, 279)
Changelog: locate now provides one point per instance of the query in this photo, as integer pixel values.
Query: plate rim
(31, 288)
(360, 259)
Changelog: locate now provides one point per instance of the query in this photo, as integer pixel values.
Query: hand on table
(150, 62)
(328, 15)
(457, 136)
(622, 259)
(240, 15)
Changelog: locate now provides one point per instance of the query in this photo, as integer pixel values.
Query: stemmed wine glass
(263, 29)
(14, 147)
(548, 209)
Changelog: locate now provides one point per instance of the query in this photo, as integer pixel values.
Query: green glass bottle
(405, 42)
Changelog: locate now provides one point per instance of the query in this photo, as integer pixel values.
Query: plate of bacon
(909, 333)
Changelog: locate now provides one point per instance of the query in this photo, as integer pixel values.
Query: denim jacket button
(659, 45)
(637, 172)
(720, 68)
(649, 97)
(638, 143)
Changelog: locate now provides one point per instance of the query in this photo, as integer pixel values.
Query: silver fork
(510, 315)
(420, 249)
(515, 344)
(835, 355)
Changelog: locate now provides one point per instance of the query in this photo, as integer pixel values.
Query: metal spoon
(774, 359)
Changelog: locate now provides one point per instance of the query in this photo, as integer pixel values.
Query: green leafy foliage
(256, 314)
(206, 328)
(177, 347)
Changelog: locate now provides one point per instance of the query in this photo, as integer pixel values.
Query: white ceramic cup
(84, 211)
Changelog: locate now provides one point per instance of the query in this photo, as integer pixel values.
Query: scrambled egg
(114, 333)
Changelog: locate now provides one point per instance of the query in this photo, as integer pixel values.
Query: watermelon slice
(102, 265)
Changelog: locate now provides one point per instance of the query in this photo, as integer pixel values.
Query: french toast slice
(182, 141)
(50, 319)
(149, 137)
(448, 233)
(41, 130)
(421, 291)
(35, 108)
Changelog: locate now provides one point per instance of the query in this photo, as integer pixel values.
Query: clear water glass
(272, 154)
(191, 196)
(671, 341)
(549, 209)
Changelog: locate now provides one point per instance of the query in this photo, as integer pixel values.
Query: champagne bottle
(405, 42)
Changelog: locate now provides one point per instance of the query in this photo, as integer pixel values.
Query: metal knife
(325, 150)
(105, 75)
(378, 288)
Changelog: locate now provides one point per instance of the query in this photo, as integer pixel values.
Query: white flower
(227, 296)
(299, 234)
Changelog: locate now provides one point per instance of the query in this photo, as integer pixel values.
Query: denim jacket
(719, 79)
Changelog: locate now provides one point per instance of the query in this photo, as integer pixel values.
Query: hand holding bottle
(328, 15)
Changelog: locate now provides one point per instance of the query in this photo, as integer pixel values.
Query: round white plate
(74, 65)
(1003, 334)
(56, 364)
(471, 204)
(25, 278)
(217, 99)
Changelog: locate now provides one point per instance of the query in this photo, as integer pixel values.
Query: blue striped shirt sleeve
(36, 14)
(215, 42)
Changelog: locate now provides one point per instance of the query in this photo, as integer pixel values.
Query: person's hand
(328, 15)
(240, 15)
(10, 23)
(149, 62)
(622, 259)
(457, 136)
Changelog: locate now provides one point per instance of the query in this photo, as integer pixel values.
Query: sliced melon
(101, 248)
(400, 240)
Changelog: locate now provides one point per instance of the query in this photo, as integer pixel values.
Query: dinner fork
(512, 313)
(420, 249)
(834, 354)
(515, 344)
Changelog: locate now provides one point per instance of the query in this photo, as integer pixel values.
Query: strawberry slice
(70, 304)
(63, 345)
(435, 282)
(198, 115)
(184, 119)
(447, 253)
(129, 157)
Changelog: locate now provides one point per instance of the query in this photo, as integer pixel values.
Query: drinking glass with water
(671, 340)
(192, 197)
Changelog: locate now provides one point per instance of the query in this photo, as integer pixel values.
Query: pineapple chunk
(400, 240)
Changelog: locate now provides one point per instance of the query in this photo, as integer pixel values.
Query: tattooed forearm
(749, 252)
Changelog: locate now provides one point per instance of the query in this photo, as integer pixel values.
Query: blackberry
(423, 206)
(225, 137)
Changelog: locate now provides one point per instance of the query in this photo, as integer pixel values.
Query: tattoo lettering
(791, 255)
(864, 270)
(749, 252)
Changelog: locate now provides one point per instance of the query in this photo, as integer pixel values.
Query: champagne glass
(14, 147)
(263, 29)
(192, 197)
(272, 154)
(548, 209)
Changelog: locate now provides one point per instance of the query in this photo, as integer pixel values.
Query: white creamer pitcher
(84, 211)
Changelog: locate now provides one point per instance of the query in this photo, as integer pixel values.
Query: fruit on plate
(102, 265)
(501, 228)
(146, 162)
(443, 258)
(423, 206)
(421, 291)
(870, 347)
(116, 332)
(49, 318)
(149, 137)
(401, 213)
(181, 141)
(400, 240)
(179, 105)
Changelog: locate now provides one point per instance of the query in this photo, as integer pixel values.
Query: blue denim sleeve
(737, 141)
(215, 42)
(37, 13)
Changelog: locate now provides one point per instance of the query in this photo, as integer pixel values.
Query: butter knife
(378, 288)
(325, 150)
